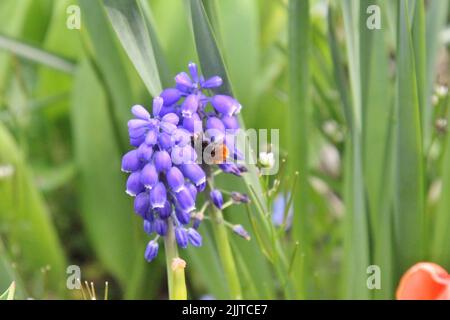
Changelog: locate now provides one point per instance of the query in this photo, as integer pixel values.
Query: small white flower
(267, 159)
(442, 91)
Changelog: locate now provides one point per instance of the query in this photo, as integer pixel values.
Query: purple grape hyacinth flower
(181, 235)
(240, 231)
(151, 251)
(165, 175)
(240, 197)
(194, 237)
(216, 198)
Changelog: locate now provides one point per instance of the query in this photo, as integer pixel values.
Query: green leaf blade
(299, 79)
(409, 201)
(128, 22)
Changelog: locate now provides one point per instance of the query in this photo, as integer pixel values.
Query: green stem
(175, 267)
(223, 245)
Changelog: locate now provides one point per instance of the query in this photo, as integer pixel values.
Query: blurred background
(362, 116)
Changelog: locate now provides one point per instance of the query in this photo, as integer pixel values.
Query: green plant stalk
(299, 76)
(223, 245)
(175, 274)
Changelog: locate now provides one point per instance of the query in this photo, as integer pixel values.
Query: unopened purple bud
(136, 142)
(157, 105)
(242, 168)
(134, 185)
(168, 127)
(183, 216)
(145, 152)
(171, 118)
(175, 179)
(149, 176)
(189, 106)
(148, 227)
(212, 82)
(170, 96)
(192, 189)
(165, 141)
(193, 70)
(142, 204)
(201, 187)
(232, 168)
(130, 161)
(181, 235)
(158, 195)
(167, 110)
(215, 129)
(193, 124)
(151, 138)
(196, 223)
(160, 226)
(135, 124)
(240, 231)
(225, 105)
(183, 81)
(239, 197)
(195, 173)
(137, 136)
(151, 251)
(162, 161)
(140, 112)
(185, 200)
(215, 123)
(165, 212)
(194, 237)
(216, 198)
(231, 123)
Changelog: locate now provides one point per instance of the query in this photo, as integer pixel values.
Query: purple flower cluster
(165, 171)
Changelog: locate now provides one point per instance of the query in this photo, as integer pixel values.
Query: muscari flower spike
(165, 176)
